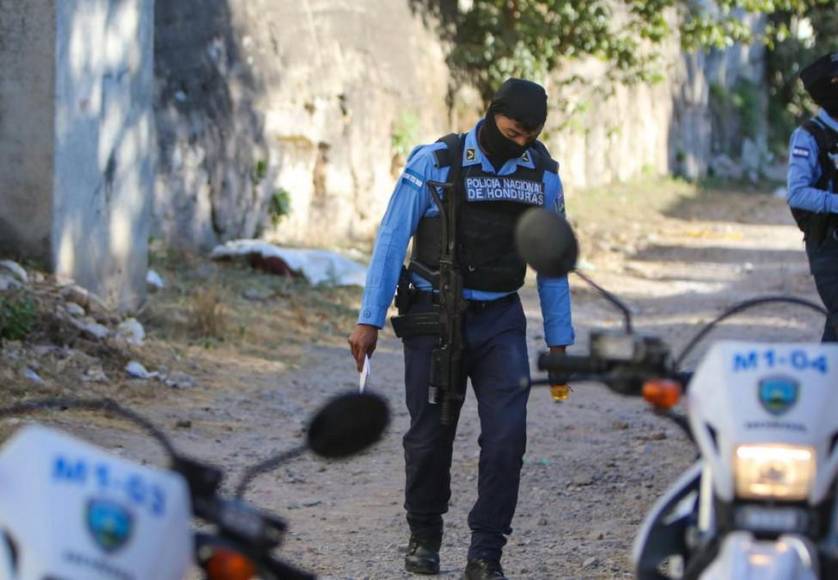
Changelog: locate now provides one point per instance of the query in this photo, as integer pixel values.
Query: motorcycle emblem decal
(110, 524)
(778, 394)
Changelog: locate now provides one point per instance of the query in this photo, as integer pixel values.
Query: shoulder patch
(800, 152)
(471, 154)
(413, 179)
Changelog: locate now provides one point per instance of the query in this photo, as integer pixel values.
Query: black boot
(422, 555)
(483, 570)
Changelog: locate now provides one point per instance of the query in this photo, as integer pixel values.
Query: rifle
(447, 357)
(445, 320)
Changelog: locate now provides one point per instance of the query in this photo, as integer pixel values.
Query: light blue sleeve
(554, 293)
(804, 171)
(408, 203)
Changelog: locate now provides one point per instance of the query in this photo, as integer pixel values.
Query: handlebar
(564, 363)
(622, 361)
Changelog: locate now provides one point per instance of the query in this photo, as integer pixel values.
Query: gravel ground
(594, 463)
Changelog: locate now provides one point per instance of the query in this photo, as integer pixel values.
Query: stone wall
(319, 100)
(77, 147)
(260, 97)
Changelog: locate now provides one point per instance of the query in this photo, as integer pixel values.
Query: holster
(404, 292)
(817, 227)
(408, 324)
(417, 324)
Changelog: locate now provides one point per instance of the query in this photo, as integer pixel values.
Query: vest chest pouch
(490, 206)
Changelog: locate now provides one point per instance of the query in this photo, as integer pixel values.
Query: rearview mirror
(546, 242)
(348, 424)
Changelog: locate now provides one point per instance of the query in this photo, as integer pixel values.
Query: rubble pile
(58, 337)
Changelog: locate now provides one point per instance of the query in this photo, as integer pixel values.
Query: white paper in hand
(365, 374)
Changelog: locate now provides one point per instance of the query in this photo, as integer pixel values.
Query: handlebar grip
(564, 363)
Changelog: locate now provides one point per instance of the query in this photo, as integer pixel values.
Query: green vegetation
(495, 39)
(803, 37)
(259, 172)
(737, 113)
(405, 134)
(18, 315)
(279, 205)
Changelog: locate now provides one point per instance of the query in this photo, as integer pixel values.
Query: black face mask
(820, 79)
(522, 100)
(497, 147)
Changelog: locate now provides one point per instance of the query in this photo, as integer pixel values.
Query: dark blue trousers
(495, 359)
(823, 263)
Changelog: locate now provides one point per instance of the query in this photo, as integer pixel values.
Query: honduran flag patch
(800, 152)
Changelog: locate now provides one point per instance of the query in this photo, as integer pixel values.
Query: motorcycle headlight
(780, 472)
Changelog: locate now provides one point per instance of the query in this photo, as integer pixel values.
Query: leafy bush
(804, 38)
(259, 172)
(18, 315)
(495, 39)
(279, 205)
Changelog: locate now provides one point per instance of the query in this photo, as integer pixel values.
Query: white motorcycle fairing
(729, 403)
(744, 558)
(747, 393)
(662, 532)
(69, 510)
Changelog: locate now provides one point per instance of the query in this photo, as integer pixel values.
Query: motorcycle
(760, 501)
(70, 510)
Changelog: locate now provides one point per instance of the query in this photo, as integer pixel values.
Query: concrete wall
(27, 86)
(88, 139)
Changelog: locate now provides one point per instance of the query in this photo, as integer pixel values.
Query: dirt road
(594, 464)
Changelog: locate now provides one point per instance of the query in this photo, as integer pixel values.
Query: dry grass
(207, 314)
(221, 324)
(235, 311)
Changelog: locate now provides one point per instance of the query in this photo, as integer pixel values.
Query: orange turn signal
(229, 565)
(662, 393)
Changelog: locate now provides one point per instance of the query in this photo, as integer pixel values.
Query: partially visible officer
(503, 171)
(813, 183)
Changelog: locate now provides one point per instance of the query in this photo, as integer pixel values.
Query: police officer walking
(486, 178)
(813, 183)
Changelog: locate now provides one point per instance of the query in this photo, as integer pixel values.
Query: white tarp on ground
(317, 266)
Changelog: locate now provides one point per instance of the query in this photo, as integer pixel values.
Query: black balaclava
(524, 101)
(820, 79)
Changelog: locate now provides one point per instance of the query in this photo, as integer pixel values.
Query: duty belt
(427, 323)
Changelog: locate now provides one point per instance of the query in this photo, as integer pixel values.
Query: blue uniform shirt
(804, 171)
(411, 201)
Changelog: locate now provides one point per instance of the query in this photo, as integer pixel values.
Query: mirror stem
(612, 299)
(265, 466)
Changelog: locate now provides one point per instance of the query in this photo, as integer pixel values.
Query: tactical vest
(827, 141)
(489, 208)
